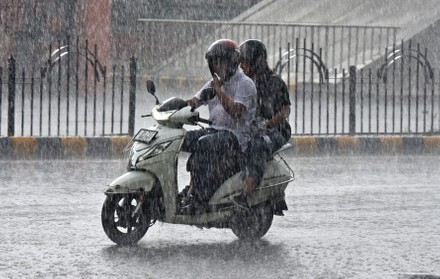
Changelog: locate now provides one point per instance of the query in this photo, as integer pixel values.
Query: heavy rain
(90, 161)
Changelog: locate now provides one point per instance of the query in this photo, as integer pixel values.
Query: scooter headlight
(154, 150)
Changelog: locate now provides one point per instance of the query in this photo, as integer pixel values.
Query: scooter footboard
(132, 182)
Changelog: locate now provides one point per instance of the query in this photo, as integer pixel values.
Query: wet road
(349, 217)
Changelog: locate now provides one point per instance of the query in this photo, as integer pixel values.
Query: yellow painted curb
(292, 87)
(347, 143)
(164, 80)
(72, 146)
(199, 82)
(431, 143)
(24, 147)
(305, 144)
(181, 82)
(118, 145)
(392, 144)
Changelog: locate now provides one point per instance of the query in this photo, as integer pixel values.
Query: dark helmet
(255, 53)
(224, 50)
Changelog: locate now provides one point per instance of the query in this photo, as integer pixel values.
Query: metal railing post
(352, 100)
(132, 98)
(11, 96)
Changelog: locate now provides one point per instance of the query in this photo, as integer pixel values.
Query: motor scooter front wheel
(119, 222)
(254, 223)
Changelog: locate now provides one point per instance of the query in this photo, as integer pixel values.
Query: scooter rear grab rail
(284, 148)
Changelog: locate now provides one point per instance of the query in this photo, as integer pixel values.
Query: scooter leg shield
(132, 181)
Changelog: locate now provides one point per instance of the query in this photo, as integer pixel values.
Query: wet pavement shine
(348, 217)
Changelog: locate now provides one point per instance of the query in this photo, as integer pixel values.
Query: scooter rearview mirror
(151, 88)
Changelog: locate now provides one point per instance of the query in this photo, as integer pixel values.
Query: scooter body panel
(272, 186)
(132, 182)
(211, 219)
(164, 167)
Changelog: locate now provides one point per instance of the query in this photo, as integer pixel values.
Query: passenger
(216, 150)
(273, 109)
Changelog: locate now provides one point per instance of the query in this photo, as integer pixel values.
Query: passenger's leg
(260, 148)
(258, 151)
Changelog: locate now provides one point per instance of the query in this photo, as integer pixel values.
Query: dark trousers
(259, 149)
(215, 156)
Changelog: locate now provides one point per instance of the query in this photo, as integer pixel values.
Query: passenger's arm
(279, 117)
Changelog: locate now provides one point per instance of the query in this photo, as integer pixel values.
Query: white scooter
(148, 191)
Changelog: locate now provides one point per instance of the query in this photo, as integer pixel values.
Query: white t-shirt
(242, 90)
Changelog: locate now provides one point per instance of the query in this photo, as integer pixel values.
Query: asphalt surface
(348, 217)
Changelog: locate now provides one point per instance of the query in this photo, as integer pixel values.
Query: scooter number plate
(145, 135)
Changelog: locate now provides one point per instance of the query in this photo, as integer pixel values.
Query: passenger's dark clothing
(272, 96)
(259, 149)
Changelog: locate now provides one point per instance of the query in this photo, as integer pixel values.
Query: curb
(62, 147)
(310, 145)
(112, 147)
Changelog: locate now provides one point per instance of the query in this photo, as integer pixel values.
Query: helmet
(223, 50)
(255, 53)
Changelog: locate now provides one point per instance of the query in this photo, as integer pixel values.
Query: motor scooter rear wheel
(119, 224)
(254, 223)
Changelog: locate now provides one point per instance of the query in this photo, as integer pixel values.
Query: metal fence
(398, 94)
(70, 94)
(73, 94)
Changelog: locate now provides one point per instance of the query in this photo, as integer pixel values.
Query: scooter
(148, 191)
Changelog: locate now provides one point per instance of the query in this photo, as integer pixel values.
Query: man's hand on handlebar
(193, 102)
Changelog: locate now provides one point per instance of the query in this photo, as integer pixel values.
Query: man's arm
(195, 102)
(232, 108)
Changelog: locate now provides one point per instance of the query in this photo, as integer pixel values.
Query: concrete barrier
(112, 147)
(366, 145)
(62, 147)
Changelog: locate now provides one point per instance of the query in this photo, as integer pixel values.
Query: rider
(231, 99)
(273, 109)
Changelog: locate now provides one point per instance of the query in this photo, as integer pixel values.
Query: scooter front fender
(132, 182)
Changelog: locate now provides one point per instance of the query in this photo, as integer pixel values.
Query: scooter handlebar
(195, 119)
(206, 121)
